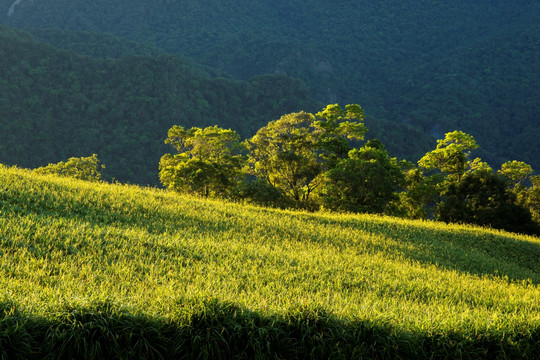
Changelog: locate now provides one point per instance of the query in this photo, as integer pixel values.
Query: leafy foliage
(483, 198)
(293, 153)
(469, 191)
(284, 153)
(367, 181)
(533, 198)
(84, 168)
(451, 155)
(306, 161)
(209, 160)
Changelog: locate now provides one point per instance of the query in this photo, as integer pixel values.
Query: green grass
(114, 271)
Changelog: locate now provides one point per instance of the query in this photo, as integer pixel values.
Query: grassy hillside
(112, 270)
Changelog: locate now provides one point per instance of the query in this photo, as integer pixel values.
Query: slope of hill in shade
(437, 65)
(55, 104)
(101, 270)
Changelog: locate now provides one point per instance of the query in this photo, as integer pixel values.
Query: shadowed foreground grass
(214, 330)
(113, 271)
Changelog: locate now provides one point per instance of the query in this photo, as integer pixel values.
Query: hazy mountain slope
(95, 44)
(437, 65)
(56, 104)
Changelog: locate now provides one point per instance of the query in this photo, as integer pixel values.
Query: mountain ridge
(437, 66)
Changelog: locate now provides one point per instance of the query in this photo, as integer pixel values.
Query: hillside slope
(119, 103)
(437, 65)
(55, 104)
(114, 270)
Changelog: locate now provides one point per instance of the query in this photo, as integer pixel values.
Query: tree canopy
(451, 155)
(368, 180)
(293, 152)
(314, 161)
(83, 168)
(208, 161)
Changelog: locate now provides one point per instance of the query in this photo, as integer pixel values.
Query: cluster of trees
(84, 168)
(454, 188)
(317, 161)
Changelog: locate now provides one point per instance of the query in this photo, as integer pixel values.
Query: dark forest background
(104, 77)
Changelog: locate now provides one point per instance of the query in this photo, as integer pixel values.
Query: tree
(208, 162)
(83, 168)
(336, 127)
(533, 198)
(421, 194)
(293, 152)
(482, 198)
(259, 191)
(516, 173)
(367, 181)
(284, 153)
(451, 155)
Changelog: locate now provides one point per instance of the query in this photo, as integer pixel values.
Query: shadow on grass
(214, 330)
(468, 250)
(463, 249)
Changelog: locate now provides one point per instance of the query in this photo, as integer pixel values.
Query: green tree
(533, 199)
(482, 198)
(336, 127)
(83, 168)
(516, 173)
(284, 153)
(478, 165)
(451, 155)
(208, 161)
(259, 191)
(293, 152)
(367, 181)
(421, 194)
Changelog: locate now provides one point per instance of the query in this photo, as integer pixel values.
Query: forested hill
(437, 65)
(55, 104)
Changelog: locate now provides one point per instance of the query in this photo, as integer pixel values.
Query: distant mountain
(55, 104)
(436, 65)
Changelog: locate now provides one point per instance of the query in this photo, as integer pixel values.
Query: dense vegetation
(113, 271)
(55, 104)
(439, 66)
(308, 161)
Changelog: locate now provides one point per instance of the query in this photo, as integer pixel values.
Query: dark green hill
(437, 65)
(55, 104)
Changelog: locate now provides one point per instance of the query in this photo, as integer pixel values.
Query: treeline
(316, 161)
(438, 67)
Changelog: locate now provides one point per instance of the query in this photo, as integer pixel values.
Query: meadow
(97, 270)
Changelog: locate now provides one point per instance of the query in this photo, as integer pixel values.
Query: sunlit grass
(67, 244)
